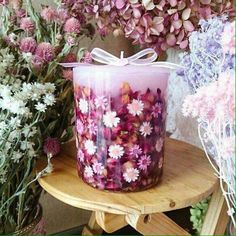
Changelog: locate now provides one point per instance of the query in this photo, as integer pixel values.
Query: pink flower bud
(51, 146)
(72, 25)
(28, 45)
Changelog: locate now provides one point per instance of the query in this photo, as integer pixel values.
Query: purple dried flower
(28, 44)
(45, 51)
(27, 24)
(51, 146)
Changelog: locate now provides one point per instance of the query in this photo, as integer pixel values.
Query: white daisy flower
(136, 107)
(110, 119)
(88, 172)
(83, 106)
(101, 101)
(41, 107)
(90, 147)
(131, 174)
(145, 129)
(98, 168)
(49, 99)
(116, 151)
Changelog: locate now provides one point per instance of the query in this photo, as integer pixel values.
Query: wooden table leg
(216, 219)
(92, 228)
(155, 224)
(110, 222)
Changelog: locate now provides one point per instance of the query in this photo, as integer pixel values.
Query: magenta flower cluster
(157, 24)
(120, 139)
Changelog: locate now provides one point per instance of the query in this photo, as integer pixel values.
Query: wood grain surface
(187, 179)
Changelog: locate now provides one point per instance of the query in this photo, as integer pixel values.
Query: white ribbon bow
(104, 57)
(100, 55)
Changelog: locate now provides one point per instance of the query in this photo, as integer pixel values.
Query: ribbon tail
(168, 65)
(70, 65)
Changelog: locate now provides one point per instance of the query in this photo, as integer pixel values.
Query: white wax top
(107, 78)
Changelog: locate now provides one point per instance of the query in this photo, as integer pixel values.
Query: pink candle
(120, 122)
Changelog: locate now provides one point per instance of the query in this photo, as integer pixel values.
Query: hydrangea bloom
(207, 57)
(157, 24)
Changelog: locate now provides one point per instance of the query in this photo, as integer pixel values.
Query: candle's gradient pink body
(120, 124)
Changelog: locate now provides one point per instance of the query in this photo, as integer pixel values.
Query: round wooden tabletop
(187, 179)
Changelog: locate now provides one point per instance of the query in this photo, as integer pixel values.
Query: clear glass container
(120, 125)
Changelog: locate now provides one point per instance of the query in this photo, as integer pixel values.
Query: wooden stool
(187, 179)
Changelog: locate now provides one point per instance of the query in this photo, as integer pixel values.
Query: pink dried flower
(70, 57)
(98, 168)
(215, 100)
(72, 25)
(135, 151)
(144, 162)
(20, 13)
(27, 24)
(70, 40)
(67, 74)
(4, 2)
(79, 126)
(37, 62)
(28, 45)
(159, 144)
(49, 14)
(51, 146)
(87, 58)
(45, 51)
(63, 14)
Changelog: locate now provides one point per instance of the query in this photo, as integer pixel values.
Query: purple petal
(171, 39)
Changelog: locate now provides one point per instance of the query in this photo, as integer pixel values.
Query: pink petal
(176, 16)
(164, 46)
(181, 5)
(172, 29)
(120, 4)
(171, 11)
(188, 25)
(180, 36)
(158, 20)
(136, 13)
(177, 24)
(160, 28)
(183, 44)
(140, 29)
(205, 2)
(171, 39)
(186, 14)
(159, 7)
(173, 3)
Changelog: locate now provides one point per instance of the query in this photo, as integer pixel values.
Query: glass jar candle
(120, 125)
